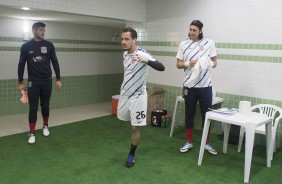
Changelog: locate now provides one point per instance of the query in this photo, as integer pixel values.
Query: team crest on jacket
(43, 50)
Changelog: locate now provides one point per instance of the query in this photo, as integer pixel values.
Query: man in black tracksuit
(38, 54)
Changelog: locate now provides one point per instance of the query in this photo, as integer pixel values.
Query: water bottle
(168, 120)
(163, 121)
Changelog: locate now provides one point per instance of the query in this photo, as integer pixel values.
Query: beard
(126, 49)
(39, 37)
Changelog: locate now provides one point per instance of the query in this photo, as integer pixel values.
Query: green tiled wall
(249, 46)
(68, 41)
(76, 90)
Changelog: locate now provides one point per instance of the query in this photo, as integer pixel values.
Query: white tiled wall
(232, 21)
(71, 63)
(134, 10)
(14, 28)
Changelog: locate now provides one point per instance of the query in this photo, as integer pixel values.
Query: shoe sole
(31, 143)
(212, 153)
(129, 166)
(185, 151)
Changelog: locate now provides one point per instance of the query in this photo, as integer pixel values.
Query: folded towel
(203, 63)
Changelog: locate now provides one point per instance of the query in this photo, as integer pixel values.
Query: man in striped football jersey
(132, 104)
(196, 49)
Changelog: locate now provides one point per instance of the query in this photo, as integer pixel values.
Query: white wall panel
(134, 10)
(71, 63)
(233, 21)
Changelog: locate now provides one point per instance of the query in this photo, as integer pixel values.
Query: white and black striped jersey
(190, 50)
(135, 74)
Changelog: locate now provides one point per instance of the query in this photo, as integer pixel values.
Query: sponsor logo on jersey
(44, 50)
(201, 47)
(37, 58)
(134, 60)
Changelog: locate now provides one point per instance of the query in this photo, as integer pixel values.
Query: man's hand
(141, 59)
(192, 63)
(58, 84)
(21, 87)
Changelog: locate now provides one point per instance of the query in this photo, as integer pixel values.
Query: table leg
(226, 136)
(241, 138)
(269, 144)
(250, 134)
(204, 138)
(222, 124)
(173, 118)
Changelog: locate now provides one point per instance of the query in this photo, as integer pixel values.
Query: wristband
(187, 64)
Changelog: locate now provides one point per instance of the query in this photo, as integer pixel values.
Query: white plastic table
(250, 121)
(215, 100)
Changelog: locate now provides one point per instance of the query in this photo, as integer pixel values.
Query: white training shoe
(209, 148)
(186, 147)
(31, 139)
(45, 131)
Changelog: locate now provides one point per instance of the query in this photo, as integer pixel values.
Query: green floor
(95, 150)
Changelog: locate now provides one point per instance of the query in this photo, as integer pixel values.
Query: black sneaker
(130, 161)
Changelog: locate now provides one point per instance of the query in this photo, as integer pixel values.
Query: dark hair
(37, 25)
(133, 33)
(200, 25)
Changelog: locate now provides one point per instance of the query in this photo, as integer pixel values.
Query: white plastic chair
(271, 111)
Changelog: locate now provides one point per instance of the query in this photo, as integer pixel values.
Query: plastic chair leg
(173, 118)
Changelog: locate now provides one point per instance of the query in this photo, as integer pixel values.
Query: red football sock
(189, 132)
(32, 127)
(45, 121)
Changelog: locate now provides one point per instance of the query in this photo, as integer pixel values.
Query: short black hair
(37, 25)
(132, 31)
